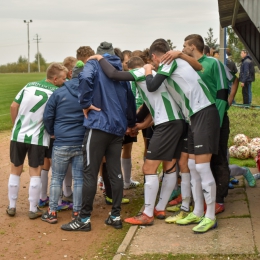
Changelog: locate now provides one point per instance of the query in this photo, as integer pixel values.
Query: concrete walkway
(238, 230)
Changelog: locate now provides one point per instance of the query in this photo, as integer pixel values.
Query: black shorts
(166, 143)
(48, 151)
(185, 138)
(19, 150)
(129, 139)
(203, 135)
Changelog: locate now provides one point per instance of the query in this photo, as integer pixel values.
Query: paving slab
(233, 236)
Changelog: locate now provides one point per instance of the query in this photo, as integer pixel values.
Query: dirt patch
(22, 238)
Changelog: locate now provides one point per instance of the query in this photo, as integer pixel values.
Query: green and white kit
(28, 127)
(161, 105)
(186, 87)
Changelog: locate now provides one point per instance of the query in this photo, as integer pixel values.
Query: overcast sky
(64, 26)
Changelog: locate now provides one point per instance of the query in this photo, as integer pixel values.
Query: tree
(42, 60)
(234, 45)
(22, 60)
(210, 41)
(171, 44)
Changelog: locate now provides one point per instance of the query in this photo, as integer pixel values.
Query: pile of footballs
(244, 147)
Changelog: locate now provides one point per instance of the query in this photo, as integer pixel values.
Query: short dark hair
(206, 50)
(135, 62)
(119, 54)
(245, 51)
(196, 40)
(159, 46)
(127, 53)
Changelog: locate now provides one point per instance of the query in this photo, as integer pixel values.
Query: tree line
(22, 65)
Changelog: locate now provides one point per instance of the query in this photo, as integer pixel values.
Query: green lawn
(10, 85)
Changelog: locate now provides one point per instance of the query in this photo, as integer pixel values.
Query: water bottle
(256, 176)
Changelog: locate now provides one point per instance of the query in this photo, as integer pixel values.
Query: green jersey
(28, 127)
(216, 76)
(160, 103)
(138, 99)
(186, 87)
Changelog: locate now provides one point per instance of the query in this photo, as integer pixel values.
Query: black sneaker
(114, 222)
(77, 225)
(50, 217)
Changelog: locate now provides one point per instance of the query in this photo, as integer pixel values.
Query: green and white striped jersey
(138, 99)
(186, 87)
(29, 127)
(161, 105)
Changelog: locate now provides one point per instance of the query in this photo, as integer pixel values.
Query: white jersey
(186, 87)
(28, 127)
(161, 105)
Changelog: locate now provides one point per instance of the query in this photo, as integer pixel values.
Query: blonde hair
(84, 52)
(69, 62)
(55, 69)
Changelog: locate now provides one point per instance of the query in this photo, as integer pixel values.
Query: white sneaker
(132, 184)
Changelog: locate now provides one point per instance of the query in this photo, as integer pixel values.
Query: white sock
(151, 188)
(67, 182)
(126, 165)
(168, 183)
(34, 192)
(44, 180)
(13, 188)
(185, 191)
(196, 189)
(209, 188)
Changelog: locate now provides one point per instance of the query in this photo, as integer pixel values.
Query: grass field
(242, 120)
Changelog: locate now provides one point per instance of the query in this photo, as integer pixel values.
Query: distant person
(246, 77)
(30, 137)
(206, 50)
(216, 54)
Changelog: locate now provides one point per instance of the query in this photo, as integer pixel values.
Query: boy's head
(191, 43)
(119, 54)
(69, 63)
(127, 55)
(135, 62)
(206, 50)
(84, 52)
(56, 74)
(158, 48)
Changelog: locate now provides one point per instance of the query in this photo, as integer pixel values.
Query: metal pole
(28, 47)
(28, 36)
(39, 66)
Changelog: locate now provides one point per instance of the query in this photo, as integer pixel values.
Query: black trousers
(245, 93)
(219, 162)
(97, 144)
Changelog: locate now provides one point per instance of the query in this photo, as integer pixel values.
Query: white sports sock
(44, 180)
(196, 189)
(126, 165)
(67, 182)
(34, 192)
(151, 188)
(168, 183)
(209, 188)
(13, 188)
(185, 191)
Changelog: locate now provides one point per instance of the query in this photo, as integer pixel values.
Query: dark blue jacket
(247, 70)
(114, 98)
(63, 116)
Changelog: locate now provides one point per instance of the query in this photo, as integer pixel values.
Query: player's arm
(153, 82)
(110, 71)
(14, 110)
(169, 56)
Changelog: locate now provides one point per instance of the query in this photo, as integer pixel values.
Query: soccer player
(216, 76)
(29, 136)
(198, 107)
